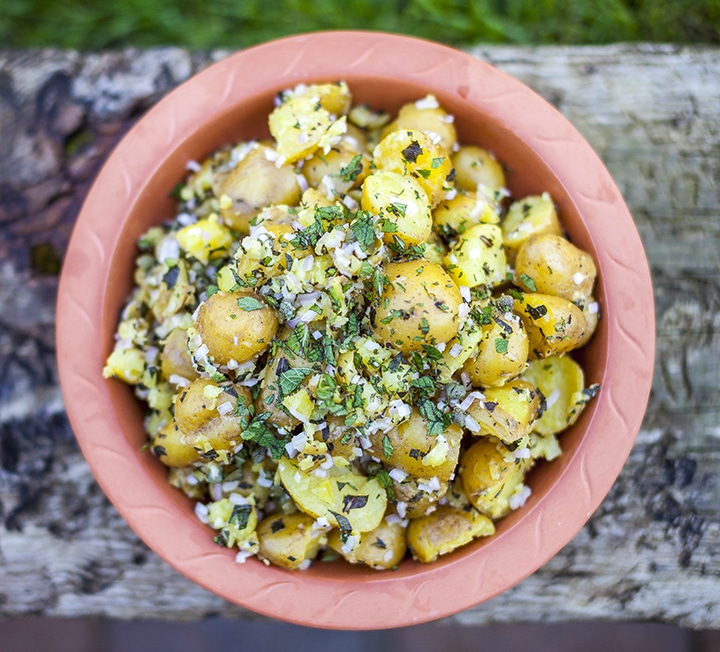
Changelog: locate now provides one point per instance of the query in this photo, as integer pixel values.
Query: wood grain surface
(652, 550)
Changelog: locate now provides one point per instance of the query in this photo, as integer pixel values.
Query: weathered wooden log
(652, 550)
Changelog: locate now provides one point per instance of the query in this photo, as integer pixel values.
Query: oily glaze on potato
(236, 325)
(445, 530)
(419, 306)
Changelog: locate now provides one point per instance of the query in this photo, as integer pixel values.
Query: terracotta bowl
(231, 101)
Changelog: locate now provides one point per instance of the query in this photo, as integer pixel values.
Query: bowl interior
(493, 120)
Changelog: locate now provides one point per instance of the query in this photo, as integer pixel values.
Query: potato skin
(196, 415)
(232, 332)
(501, 354)
(452, 217)
(475, 168)
(528, 217)
(411, 152)
(416, 501)
(490, 476)
(445, 530)
(411, 445)
(402, 202)
(562, 381)
(254, 183)
(332, 165)
(478, 257)
(553, 325)
(381, 548)
(508, 412)
(171, 446)
(175, 359)
(429, 120)
(419, 306)
(287, 540)
(553, 265)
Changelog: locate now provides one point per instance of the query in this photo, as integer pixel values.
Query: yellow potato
(236, 326)
(256, 182)
(175, 360)
(507, 412)
(287, 540)
(418, 307)
(490, 476)
(381, 548)
(501, 354)
(427, 116)
(550, 264)
(414, 497)
(409, 447)
(478, 257)
(348, 500)
(205, 239)
(553, 325)
(301, 125)
(445, 530)
(205, 413)
(562, 382)
(411, 152)
(402, 203)
(528, 217)
(452, 217)
(236, 523)
(171, 446)
(591, 311)
(476, 168)
(344, 168)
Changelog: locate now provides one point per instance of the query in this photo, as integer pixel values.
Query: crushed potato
(336, 356)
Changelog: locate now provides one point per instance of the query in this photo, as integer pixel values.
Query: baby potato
(335, 98)
(501, 354)
(591, 312)
(427, 116)
(452, 217)
(205, 239)
(344, 167)
(205, 413)
(172, 448)
(415, 497)
(175, 360)
(236, 325)
(416, 452)
(348, 500)
(553, 325)
(478, 257)
(381, 548)
(301, 125)
(562, 382)
(401, 200)
(287, 540)
(419, 306)
(445, 530)
(526, 218)
(476, 168)
(508, 412)
(490, 476)
(412, 152)
(254, 183)
(339, 438)
(550, 264)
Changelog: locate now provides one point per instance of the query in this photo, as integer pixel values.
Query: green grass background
(204, 24)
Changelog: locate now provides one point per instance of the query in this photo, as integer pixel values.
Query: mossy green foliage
(92, 25)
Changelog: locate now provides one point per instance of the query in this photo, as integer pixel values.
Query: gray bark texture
(652, 550)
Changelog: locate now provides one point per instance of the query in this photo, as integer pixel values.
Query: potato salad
(351, 341)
